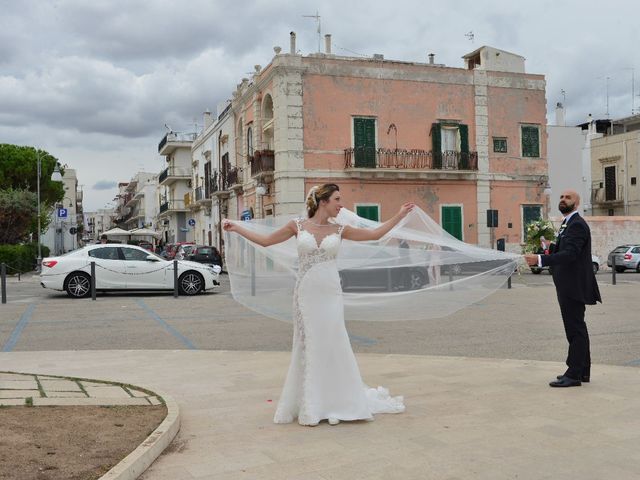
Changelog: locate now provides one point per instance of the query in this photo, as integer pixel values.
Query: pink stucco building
(456, 141)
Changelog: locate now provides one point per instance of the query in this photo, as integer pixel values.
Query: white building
(140, 202)
(63, 233)
(98, 222)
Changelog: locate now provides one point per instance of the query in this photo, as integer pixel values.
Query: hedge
(21, 258)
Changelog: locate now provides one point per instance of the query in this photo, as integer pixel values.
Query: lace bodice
(310, 252)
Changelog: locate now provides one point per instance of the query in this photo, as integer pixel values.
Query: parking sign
(62, 213)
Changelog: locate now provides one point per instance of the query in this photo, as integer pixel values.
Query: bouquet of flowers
(535, 230)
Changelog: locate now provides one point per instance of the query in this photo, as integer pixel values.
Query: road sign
(192, 222)
(62, 213)
(73, 230)
(246, 215)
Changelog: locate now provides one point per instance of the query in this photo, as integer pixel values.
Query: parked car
(172, 248)
(123, 267)
(384, 279)
(627, 256)
(205, 254)
(595, 263)
(146, 245)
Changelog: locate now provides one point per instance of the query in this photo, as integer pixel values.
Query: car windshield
(204, 251)
(621, 249)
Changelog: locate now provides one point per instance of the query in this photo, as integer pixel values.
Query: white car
(123, 267)
(595, 264)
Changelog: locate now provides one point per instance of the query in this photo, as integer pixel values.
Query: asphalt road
(520, 323)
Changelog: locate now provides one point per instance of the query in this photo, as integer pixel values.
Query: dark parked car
(385, 279)
(204, 254)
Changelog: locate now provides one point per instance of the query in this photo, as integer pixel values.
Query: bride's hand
(405, 209)
(228, 225)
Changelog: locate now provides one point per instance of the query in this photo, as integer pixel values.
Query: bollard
(450, 277)
(252, 263)
(93, 280)
(3, 282)
(509, 282)
(175, 279)
(613, 270)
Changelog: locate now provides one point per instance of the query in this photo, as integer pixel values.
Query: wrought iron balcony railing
(179, 172)
(369, 157)
(176, 137)
(606, 195)
(262, 161)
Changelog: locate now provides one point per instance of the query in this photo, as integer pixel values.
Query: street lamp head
(56, 176)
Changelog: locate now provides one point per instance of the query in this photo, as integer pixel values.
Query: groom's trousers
(579, 357)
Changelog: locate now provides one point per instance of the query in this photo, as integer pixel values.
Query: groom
(575, 285)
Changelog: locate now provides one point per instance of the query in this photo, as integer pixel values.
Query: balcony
(173, 174)
(173, 140)
(262, 164)
(169, 206)
(401, 159)
(606, 196)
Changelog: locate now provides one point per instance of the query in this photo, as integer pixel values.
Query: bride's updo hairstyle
(319, 193)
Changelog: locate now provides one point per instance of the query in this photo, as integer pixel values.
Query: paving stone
(8, 402)
(154, 401)
(138, 393)
(15, 376)
(19, 393)
(18, 384)
(90, 401)
(107, 392)
(54, 394)
(60, 385)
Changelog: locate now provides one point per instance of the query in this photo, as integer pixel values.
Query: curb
(134, 464)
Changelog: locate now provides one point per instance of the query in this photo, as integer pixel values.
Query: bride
(323, 381)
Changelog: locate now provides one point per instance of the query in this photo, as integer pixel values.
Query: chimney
(292, 42)
(327, 44)
(207, 119)
(560, 121)
(432, 57)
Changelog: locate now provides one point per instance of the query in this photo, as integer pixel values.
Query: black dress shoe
(584, 379)
(565, 382)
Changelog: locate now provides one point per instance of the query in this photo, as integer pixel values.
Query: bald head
(569, 201)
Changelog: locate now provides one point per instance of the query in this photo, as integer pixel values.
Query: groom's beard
(564, 208)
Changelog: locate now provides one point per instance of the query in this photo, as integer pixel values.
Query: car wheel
(78, 285)
(190, 283)
(536, 270)
(455, 269)
(415, 280)
(595, 267)
(620, 269)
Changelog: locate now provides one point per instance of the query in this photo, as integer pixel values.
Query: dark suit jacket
(571, 261)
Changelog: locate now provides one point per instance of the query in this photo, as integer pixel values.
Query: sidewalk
(465, 419)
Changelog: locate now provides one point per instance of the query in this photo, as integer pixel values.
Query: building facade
(615, 168)
(456, 141)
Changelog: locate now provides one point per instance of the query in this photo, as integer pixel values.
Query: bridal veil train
(416, 271)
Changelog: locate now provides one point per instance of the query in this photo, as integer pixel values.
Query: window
(451, 220)
(132, 254)
(450, 145)
(105, 253)
(249, 142)
(530, 140)
(364, 142)
(500, 144)
(633, 180)
(610, 183)
(370, 212)
(530, 213)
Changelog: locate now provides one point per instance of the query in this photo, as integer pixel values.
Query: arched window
(249, 143)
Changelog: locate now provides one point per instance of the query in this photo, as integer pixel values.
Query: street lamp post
(55, 177)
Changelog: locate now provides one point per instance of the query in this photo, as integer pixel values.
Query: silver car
(627, 256)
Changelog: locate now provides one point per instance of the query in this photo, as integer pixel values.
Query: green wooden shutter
(463, 164)
(452, 221)
(370, 212)
(436, 150)
(530, 141)
(364, 133)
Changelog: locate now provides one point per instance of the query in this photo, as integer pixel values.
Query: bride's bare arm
(364, 234)
(279, 236)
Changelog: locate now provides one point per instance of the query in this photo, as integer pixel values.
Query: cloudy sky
(94, 81)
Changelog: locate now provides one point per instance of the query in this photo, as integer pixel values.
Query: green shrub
(21, 257)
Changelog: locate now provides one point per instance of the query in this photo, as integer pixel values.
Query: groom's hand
(531, 259)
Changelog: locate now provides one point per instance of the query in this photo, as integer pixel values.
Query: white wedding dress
(323, 381)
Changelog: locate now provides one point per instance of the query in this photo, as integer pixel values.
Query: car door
(110, 270)
(142, 273)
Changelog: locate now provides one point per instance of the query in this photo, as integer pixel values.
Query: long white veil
(417, 271)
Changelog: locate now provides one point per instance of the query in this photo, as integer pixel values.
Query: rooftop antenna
(607, 91)
(317, 19)
(633, 90)
(470, 35)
